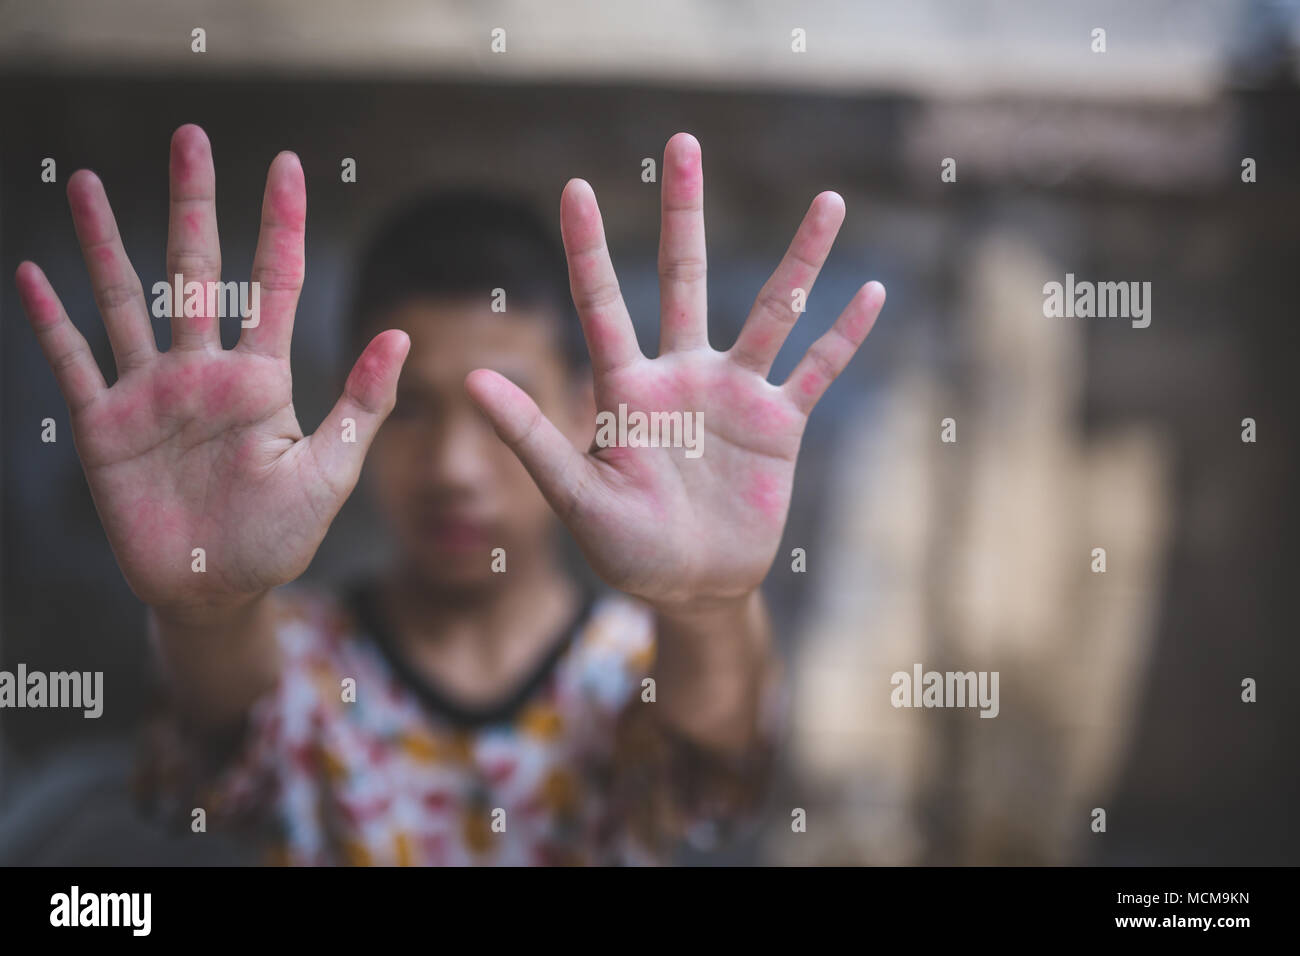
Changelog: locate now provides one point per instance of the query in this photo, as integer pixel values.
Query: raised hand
(653, 522)
(199, 447)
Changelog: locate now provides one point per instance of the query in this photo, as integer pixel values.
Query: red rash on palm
(768, 417)
(664, 396)
(764, 495)
(217, 391)
(214, 387)
(761, 415)
(122, 412)
(171, 388)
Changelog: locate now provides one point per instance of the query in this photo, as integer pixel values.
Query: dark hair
(467, 242)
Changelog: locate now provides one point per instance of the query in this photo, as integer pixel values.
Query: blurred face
(448, 487)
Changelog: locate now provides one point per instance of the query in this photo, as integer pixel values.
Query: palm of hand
(198, 452)
(652, 521)
(199, 447)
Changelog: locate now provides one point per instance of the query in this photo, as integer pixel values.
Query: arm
(713, 663)
(693, 535)
(217, 662)
(199, 447)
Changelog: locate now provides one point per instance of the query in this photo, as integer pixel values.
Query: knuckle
(117, 294)
(599, 296)
(193, 263)
(823, 362)
(777, 308)
(278, 280)
(683, 269)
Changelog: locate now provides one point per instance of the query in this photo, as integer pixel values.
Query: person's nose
(457, 457)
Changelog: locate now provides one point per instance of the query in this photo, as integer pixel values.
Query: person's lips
(455, 532)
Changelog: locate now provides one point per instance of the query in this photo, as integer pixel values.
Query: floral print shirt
(353, 758)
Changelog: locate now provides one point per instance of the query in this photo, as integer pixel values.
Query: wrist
(712, 662)
(708, 608)
(206, 615)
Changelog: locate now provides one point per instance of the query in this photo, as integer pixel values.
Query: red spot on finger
(857, 324)
(368, 375)
(286, 204)
(686, 158)
(42, 309)
(44, 312)
(287, 196)
(288, 251)
(810, 383)
(190, 151)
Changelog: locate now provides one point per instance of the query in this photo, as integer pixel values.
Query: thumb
(340, 444)
(555, 465)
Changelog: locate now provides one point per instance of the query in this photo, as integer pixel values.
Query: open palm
(199, 447)
(653, 521)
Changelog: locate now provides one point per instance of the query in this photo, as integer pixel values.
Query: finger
(339, 445)
(193, 250)
(829, 355)
(611, 340)
(80, 380)
(683, 288)
(774, 315)
(556, 466)
(279, 260)
(117, 288)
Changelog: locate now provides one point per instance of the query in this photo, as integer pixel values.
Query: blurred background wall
(1118, 690)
